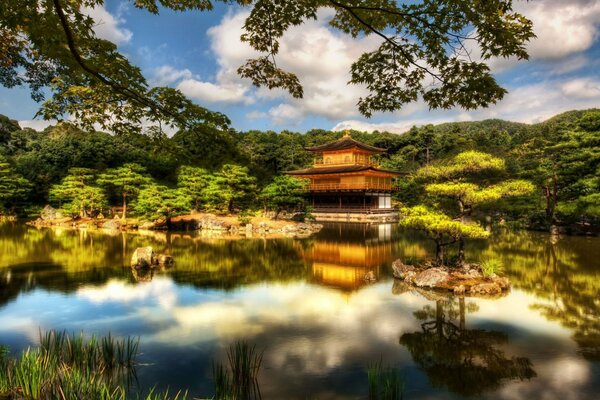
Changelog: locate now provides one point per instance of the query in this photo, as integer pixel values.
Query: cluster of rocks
(301, 229)
(467, 280)
(144, 257)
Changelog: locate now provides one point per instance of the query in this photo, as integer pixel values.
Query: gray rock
(432, 277)
(143, 257)
(460, 290)
(503, 282)
(112, 224)
(485, 289)
(400, 270)
(147, 225)
(50, 213)
(164, 260)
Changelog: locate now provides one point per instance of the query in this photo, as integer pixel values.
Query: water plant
(491, 266)
(385, 383)
(239, 379)
(69, 367)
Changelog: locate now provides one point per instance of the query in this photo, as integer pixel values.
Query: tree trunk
(461, 305)
(461, 253)
(439, 253)
(230, 206)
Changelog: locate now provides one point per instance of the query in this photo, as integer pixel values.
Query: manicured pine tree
(77, 195)
(456, 180)
(283, 192)
(232, 188)
(156, 201)
(440, 228)
(126, 180)
(13, 187)
(193, 182)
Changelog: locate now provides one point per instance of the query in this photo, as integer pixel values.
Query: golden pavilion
(346, 183)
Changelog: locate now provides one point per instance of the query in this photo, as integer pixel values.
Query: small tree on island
(127, 180)
(76, 194)
(283, 192)
(471, 179)
(440, 228)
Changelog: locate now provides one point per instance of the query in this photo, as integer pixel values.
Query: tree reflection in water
(465, 361)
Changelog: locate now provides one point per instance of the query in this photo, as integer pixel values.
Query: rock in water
(165, 260)
(401, 270)
(49, 213)
(485, 289)
(432, 277)
(143, 257)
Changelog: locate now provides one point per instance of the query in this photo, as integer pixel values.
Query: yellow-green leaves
(467, 162)
(437, 224)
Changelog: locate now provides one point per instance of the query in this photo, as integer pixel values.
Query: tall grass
(239, 379)
(69, 367)
(385, 383)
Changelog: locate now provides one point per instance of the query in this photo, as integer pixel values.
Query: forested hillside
(561, 156)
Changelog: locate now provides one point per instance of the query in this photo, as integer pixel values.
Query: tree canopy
(425, 52)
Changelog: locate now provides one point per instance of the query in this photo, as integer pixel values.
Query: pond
(307, 304)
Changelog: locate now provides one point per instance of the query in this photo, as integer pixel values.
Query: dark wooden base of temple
(354, 216)
(356, 206)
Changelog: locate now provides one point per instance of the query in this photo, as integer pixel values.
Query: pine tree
(127, 180)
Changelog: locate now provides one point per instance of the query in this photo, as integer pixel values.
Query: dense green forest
(152, 174)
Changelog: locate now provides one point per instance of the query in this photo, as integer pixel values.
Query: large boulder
(432, 277)
(143, 257)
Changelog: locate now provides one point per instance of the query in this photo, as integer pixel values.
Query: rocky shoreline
(215, 225)
(468, 280)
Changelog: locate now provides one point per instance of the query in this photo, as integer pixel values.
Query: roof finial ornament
(347, 134)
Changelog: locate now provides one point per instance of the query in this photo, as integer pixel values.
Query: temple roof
(338, 170)
(346, 142)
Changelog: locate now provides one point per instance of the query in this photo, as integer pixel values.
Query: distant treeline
(561, 156)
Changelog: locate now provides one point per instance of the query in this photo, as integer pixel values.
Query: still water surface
(307, 304)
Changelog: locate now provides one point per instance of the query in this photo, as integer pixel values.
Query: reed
(239, 380)
(385, 383)
(69, 367)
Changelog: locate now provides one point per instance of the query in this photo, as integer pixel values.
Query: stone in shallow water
(143, 257)
(432, 277)
(485, 289)
(401, 270)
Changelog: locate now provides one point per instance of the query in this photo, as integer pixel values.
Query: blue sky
(199, 52)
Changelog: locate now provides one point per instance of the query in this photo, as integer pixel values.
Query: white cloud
(529, 104)
(36, 124)
(583, 88)
(319, 57)
(562, 27)
(211, 92)
(166, 74)
(285, 113)
(107, 26)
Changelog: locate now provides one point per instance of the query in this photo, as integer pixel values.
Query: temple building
(346, 183)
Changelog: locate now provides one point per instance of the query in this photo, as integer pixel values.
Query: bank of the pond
(228, 225)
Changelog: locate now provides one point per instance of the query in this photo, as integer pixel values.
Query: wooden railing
(321, 163)
(351, 208)
(349, 186)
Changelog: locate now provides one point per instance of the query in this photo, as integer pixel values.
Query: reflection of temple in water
(349, 256)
